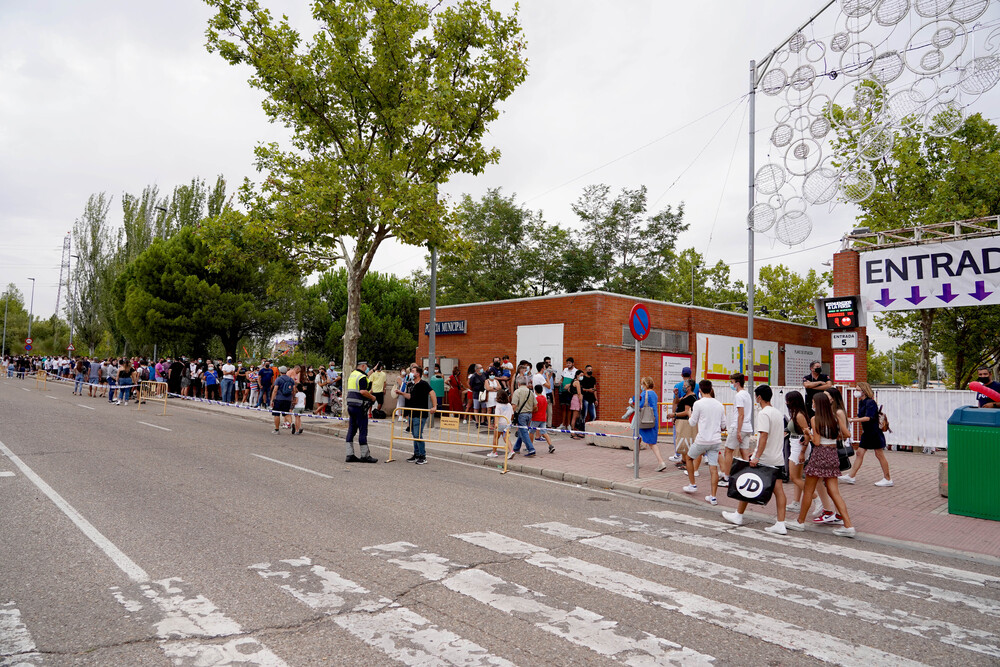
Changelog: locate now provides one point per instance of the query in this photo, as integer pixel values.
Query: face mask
(590, 372)
(857, 394)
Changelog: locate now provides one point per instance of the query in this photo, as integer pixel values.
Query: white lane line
(835, 571)
(396, 631)
(25, 389)
(578, 626)
(741, 621)
(895, 562)
(292, 465)
(6, 473)
(126, 564)
(81, 405)
(15, 640)
(54, 398)
(978, 641)
(162, 428)
(176, 616)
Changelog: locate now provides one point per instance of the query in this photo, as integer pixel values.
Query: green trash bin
(974, 463)
(437, 384)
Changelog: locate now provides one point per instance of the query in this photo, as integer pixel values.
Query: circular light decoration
(981, 75)
(781, 136)
(875, 143)
(761, 217)
(943, 119)
(803, 156)
(821, 186)
(793, 227)
(857, 185)
(931, 9)
(888, 67)
(890, 12)
(769, 179)
(840, 42)
(802, 78)
(855, 8)
(815, 51)
(797, 42)
(774, 81)
(935, 47)
(857, 59)
(819, 128)
(968, 10)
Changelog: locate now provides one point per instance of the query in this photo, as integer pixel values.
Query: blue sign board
(446, 328)
(638, 322)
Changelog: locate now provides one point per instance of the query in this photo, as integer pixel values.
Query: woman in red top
(454, 390)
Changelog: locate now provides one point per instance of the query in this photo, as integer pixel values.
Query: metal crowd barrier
(41, 376)
(451, 428)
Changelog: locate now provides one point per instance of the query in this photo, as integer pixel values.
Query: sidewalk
(912, 511)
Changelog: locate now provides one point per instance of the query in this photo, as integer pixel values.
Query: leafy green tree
(786, 295)
(897, 366)
(711, 285)
(17, 318)
(926, 179)
(89, 303)
(178, 295)
(624, 246)
(389, 99)
(389, 317)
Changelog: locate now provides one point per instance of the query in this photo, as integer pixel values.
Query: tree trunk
(352, 325)
(923, 363)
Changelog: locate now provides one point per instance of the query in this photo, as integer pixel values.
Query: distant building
(286, 346)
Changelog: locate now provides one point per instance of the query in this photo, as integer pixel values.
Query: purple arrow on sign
(980, 292)
(946, 295)
(885, 300)
(915, 297)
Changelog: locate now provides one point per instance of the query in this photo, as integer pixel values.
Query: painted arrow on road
(915, 297)
(946, 295)
(980, 292)
(885, 300)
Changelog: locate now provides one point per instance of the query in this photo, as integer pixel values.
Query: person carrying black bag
(766, 460)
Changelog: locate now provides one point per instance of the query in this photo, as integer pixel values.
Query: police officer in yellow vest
(358, 399)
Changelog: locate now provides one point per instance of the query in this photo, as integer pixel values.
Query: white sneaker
(795, 525)
(845, 532)
(793, 506)
(711, 500)
(697, 473)
(675, 458)
(690, 488)
(884, 482)
(733, 517)
(492, 455)
(847, 479)
(511, 454)
(465, 421)
(816, 508)
(777, 529)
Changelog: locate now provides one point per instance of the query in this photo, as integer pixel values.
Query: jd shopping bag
(752, 484)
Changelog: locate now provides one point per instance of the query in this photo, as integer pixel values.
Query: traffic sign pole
(639, 325)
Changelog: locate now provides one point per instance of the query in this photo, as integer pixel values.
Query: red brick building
(592, 328)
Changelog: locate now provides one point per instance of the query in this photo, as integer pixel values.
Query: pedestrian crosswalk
(651, 588)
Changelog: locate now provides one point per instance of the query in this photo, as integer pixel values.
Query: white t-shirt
(709, 415)
(227, 370)
(744, 401)
(771, 421)
(538, 379)
(300, 399)
(505, 413)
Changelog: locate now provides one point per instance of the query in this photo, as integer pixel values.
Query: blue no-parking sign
(638, 322)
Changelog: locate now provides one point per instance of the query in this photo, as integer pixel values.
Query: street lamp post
(3, 346)
(31, 308)
(72, 306)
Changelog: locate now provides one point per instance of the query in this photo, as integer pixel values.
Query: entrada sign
(933, 275)
(446, 328)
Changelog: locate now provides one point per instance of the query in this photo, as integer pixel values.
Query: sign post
(638, 324)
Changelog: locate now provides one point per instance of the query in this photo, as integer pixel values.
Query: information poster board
(843, 368)
(797, 361)
(721, 356)
(672, 365)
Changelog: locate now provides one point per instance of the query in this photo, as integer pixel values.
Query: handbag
(842, 449)
(647, 415)
(482, 396)
(751, 484)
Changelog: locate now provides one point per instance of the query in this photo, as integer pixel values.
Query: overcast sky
(112, 95)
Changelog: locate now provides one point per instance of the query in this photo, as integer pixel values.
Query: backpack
(285, 390)
(883, 421)
(145, 373)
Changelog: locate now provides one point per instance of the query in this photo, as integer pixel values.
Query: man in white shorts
(709, 416)
(739, 427)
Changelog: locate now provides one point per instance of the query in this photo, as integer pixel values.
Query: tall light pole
(72, 305)
(3, 346)
(31, 308)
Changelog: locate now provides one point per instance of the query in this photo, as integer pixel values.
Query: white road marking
(176, 616)
(25, 389)
(895, 562)
(741, 621)
(292, 465)
(126, 564)
(978, 641)
(89, 407)
(15, 640)
(6, 473)
(54, 398)
(162, 428)
(834, 570)
(576, 625)
(379, 622)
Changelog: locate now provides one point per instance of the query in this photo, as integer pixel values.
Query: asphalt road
(211, 541)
